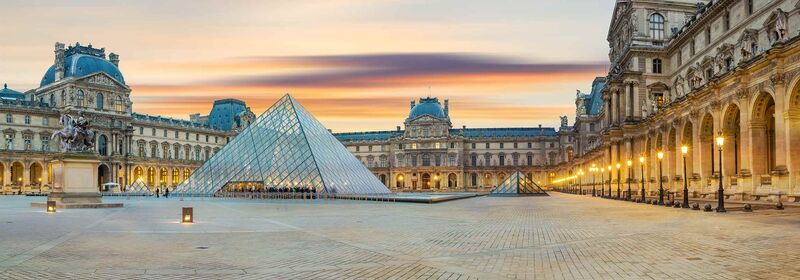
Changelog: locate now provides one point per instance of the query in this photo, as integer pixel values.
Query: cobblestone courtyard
(557, 237)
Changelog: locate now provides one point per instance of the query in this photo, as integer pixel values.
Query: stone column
(7, 179)
(779, 179)
(697, 153)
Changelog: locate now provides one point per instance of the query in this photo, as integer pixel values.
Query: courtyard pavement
(557, 237)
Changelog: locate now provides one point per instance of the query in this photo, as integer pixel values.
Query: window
(187, 135)
(45, 121)
(165, 133)
(657, 66)
(530, 145)
(45, 143)
(426, 160)
(680, 58)
(79, 98)
(399, 146)
(452, 145)
(98, 100)
(176, 134)
(501, 145)
(729, 63)
(487, 145)
(52, 100)
(102, 145)
(726, 21)
(708, 35)
(206, 138)
(358, 148)
(27, 140)
(119, 105)
(153, 131)
(750, 7)
(591, 127)
(141, 130)
(474, 160)
(27, 119)
(515, 145)
(530, 159)
(502, 158)
(9, 118)
(657, 26)
(473, 145)
(691, 48)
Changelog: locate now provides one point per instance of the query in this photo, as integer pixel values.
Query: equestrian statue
(76, 135)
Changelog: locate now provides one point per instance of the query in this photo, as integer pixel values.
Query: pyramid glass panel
(285, 147)
(518, 185)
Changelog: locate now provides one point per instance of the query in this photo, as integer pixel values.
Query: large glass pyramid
(517, 185)
(285, 147)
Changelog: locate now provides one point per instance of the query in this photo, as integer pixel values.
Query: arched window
(79, 98)
(119, 105)
(98, 100)
(52, 100)
(657, 26)
(102, 146)
(657, 66)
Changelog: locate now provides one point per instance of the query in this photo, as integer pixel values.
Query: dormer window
(657, 66)
(657, 27)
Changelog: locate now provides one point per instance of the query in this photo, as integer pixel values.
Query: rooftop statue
(76, 135)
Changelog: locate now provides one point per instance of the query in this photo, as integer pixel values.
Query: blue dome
(79, 65)
(225, 112)
(427, 106)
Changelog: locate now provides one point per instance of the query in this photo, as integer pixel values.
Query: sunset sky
(355, 65)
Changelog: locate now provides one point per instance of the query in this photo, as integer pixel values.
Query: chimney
(447, 108)
(398, 128)
(114, 59)
(412, 104)
(59, 61)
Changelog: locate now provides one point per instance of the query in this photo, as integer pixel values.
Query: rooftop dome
(427, 106)
(80, 61)
(224, 113)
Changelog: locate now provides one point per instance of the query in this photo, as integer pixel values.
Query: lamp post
(580, 181)
(684, 150)
(619, 180)
(602, 181)
(641, 165)
(628, 196)
(721, 191)
(610, 178)
(660, 179)
(592, 170)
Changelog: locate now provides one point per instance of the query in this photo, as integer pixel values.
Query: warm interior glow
(720, 140)
(618, 165)
(641, 159)
(630, 162)
(684, 149)
(187, 218)
(660, 155)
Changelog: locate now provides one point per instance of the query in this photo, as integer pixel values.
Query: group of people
(166, 192)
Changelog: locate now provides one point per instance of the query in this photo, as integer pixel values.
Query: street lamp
(721, 191)
(602, 181)
(628, 197)
(610, 178)
(684, 150)
(619, 180)
(592, 170)
(660, 179)
(641, 165)
(580, 181)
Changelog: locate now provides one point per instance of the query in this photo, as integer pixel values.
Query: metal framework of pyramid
(138, 188)
(285, 147)
(518, 185)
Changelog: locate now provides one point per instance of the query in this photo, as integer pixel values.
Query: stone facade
(728, 68)
(160, 151)
(430, 155)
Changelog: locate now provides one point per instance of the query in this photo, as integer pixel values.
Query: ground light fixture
(51, 206)
(187, 215)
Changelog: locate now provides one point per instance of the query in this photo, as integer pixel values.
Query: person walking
(166, 193)
(158, 191)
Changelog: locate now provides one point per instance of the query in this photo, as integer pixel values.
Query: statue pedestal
(75, 182)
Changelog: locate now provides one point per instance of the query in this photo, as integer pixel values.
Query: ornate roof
(224, 113)
(80, 61)
(594, 101)
(7, 93)
(428, 106)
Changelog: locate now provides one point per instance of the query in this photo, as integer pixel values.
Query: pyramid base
(517, 194)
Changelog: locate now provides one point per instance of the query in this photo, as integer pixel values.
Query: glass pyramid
(285, 147)
(517, 185)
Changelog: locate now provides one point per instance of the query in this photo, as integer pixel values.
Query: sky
(355, 65)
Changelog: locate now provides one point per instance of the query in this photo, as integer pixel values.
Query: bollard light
(187, 216)
(51, 206)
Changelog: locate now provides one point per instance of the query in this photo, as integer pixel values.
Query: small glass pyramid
(285, 147)
(518, 185)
